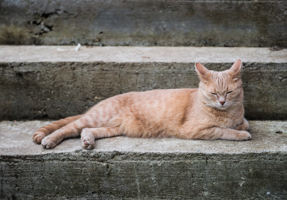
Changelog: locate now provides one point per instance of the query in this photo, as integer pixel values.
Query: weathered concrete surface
(41, 82)
(140, 54)
(148, 23)
(134, 168)
(16, 138)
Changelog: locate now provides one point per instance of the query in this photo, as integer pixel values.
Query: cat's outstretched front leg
(89, 135)
(50, 128)
(73, 129)
(216, 133)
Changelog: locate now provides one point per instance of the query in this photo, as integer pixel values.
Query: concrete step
(41, 82)
(136, 168)
(258, 23)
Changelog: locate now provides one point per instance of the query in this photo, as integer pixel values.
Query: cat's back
(160, 96)
(164, 103)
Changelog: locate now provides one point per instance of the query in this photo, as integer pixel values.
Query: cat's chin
(221, 108)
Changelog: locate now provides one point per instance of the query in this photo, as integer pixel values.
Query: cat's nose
(222, 102)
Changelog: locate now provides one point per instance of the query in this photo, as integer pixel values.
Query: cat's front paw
(88, 143)
(38, 137)
(49, 142)
(244, 135)
(87, 139)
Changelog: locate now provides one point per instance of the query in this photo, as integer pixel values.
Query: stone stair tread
(267, 136)
(140, 54)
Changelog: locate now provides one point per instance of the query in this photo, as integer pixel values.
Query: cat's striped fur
(214, 111)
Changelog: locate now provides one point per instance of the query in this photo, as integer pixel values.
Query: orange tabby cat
(214, 111)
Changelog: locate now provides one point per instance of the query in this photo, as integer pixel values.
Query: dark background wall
(261, 23)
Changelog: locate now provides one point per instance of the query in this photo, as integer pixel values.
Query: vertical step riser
(148, 23)
(56, 90)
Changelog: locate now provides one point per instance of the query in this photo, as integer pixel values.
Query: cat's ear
(236, 69)
(201, 71)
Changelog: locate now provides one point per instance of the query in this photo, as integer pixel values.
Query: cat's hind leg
(244, 126)
(89, 135)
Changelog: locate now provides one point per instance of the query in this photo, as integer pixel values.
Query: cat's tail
(50, 128)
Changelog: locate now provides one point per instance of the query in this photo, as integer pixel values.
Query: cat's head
(220, 90)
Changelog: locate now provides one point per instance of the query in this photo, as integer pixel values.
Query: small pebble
(279, 132)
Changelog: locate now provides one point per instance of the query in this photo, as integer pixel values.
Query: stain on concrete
(12, 35)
